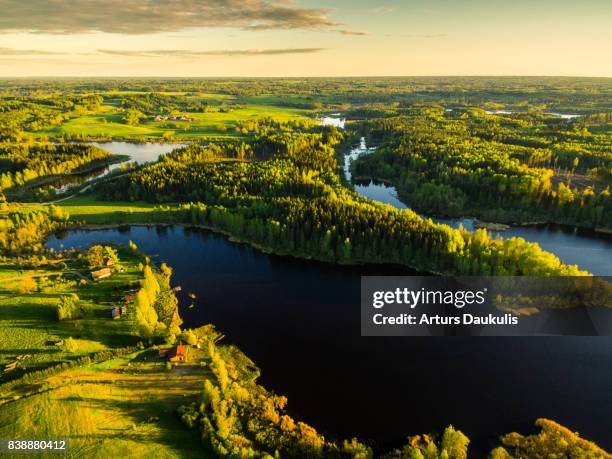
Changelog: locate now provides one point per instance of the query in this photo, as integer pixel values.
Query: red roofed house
(178, 353)
(175, 354)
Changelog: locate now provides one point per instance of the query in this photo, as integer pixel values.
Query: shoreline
(600, 231)
(231, 238)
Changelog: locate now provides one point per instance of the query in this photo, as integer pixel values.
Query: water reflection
(139, 153)
(580, 247)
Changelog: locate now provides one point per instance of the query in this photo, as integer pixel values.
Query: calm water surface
(138, 153)
(582, 247)
(299, 321)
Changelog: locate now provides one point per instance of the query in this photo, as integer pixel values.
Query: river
(582, 247)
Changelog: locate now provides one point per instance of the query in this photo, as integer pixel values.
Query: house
(178, 353)
(101, 274)
(115, 313)
(175, 354)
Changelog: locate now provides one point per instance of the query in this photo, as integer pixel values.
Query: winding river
(584, 248)
(299, 321)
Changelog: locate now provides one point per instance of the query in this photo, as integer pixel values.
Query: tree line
(295, 207)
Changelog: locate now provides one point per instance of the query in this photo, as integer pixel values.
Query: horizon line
(302, 76)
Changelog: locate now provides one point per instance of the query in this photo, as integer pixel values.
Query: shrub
(27, 285)
(71, 345)
(69, 308)
(189, 337)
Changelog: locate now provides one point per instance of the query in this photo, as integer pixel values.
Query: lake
(139, 153)
(300, 322)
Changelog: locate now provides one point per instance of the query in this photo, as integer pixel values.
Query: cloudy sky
(305, 37)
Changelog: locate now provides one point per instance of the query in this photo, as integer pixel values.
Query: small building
(115, 313)
(101, 274)
(178, 353)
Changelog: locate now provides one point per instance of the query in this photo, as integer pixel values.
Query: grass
(107, 122)
(120, 408)
(29, 324)
(87, 209)
(123, 407)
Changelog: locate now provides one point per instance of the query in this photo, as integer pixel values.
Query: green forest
(256, 163)
(504, 167)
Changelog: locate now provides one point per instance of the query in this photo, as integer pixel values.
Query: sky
(283, 38)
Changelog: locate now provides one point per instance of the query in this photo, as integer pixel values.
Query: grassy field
(119, 407)
(107, 122)
(29, 324)
(124, 407)
(89, 210)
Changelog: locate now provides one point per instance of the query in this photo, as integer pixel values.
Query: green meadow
(107, 122)
(28, 319)
(125, 407)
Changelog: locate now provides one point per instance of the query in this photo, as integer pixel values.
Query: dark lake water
(300, 322)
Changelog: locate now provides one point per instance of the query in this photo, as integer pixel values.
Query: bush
(69, 308)
(27, 285)
(71, 345)
(189, 337)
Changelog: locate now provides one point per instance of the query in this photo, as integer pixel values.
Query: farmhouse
(175, 354)
(101, 274)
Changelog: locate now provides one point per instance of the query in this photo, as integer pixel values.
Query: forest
(289, 199)
(506, 167)
(30, 169)
(254, 160)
